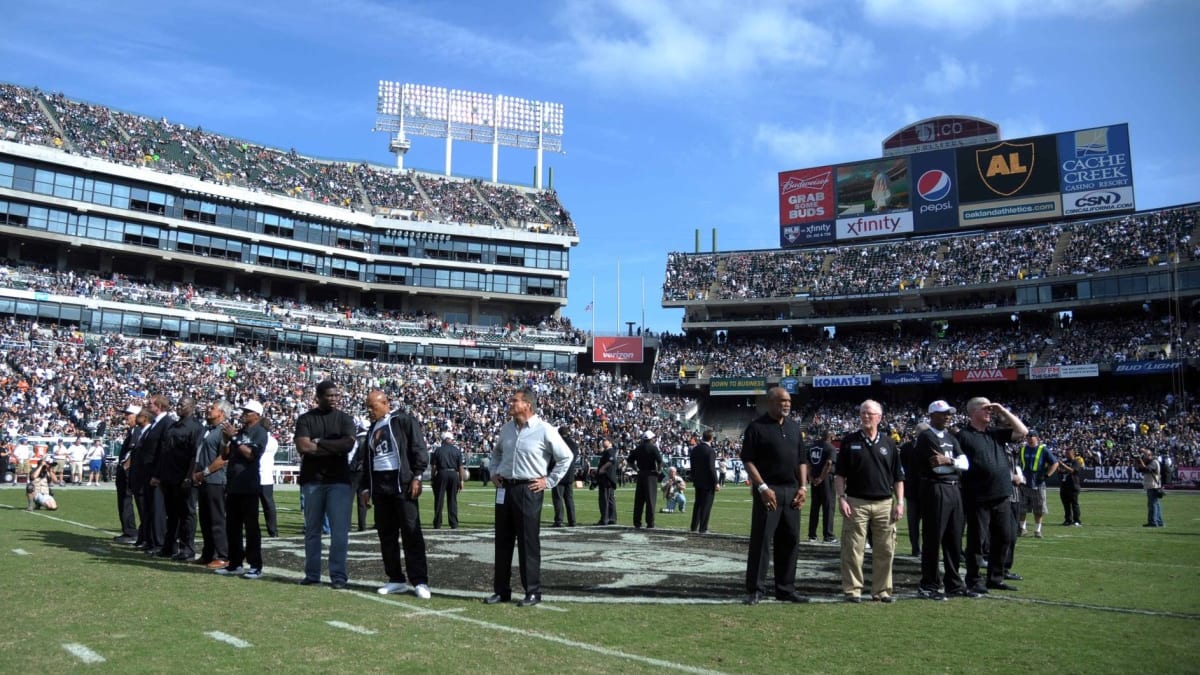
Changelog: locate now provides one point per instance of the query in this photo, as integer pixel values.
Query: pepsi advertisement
(935, 197)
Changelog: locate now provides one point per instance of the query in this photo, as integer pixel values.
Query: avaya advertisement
(617, 350)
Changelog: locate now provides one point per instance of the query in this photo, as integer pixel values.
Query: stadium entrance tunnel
(599, 564)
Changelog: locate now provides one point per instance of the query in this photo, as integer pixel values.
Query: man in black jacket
(704, 480)
(173, 471)
(606, 483)
(446, 462)
(145, 460)
(648, 461)
(396, 458)
(563, 494)
(125, 510)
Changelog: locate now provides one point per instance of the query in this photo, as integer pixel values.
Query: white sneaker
(422, 591)
(228, 571)
(253, 573)
(393, 587)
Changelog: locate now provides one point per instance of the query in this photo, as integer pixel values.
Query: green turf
(1108, 597)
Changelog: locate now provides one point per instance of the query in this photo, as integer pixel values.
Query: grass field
(1109, 597)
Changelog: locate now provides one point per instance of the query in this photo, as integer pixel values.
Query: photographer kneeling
(37, 490)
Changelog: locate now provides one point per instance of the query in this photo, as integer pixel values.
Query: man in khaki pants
(868, 475)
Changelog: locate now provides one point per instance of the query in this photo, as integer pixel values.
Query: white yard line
(351, 627)
(585, 646)
(82, 653)
(20, 551)
(228, 639)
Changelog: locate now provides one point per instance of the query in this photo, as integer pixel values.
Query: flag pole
(618, 296)
(593, 305)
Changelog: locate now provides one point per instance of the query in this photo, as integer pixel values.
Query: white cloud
(812, 145)
(952, 76)
(966, 15)
(658, 43)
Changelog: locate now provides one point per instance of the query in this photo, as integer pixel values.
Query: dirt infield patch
(589, 563)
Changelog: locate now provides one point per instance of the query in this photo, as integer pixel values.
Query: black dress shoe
(967, 593)
(1013, 576)
(752, 598)
(852, 598)
(183, 557)
(141, 545)
(556, 524)
(163, 553)
(124, 540)
(308, 582)
(1001, 586)
(339, 585)
(530, 600)
(978, 589)
(791, 597)
(497, 598)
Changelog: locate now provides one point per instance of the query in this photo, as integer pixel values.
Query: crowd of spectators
(119, 288)
(115, 136)
(963, 346)
(958, 260)
(56, 381)
(1106, 430)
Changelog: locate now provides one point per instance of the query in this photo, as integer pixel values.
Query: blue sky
(678, 115)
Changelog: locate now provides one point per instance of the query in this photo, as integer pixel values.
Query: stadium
(146, 257)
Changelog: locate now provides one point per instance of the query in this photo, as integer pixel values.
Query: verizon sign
(617, 350)
(986, 375)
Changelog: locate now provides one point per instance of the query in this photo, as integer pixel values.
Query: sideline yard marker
(351, 627)
(82, 653)
(228, 639)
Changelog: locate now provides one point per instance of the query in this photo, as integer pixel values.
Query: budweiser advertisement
(986, 375)
(617, 350)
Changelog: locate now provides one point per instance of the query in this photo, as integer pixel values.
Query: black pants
(915, 506)
(702, 508)
(645, 499)
(518, 521)
(241, 516)
(210, 505)
(1070, 502)
(180, 523)
(564, 499)
(398, 524)
(779, 529)
(608, 502)
(821, 508)
(992, 519)
(355, 479)
(154, 515)
(445, 493)
(1013, 528)
(125, 504)
(942, 524)
(266, 499)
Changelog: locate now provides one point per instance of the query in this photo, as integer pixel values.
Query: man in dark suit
(563, 494)
(176, 454)
(606, 482)
(125, 510)
(648, 460)
(154, 521)
(446, 463)
(704, 480)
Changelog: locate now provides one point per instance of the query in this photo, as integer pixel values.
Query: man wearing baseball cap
(649, 462)
(940, 461)
(243, 450)
(125, 510)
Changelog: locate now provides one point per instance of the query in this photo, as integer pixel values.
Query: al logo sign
(1005, 168)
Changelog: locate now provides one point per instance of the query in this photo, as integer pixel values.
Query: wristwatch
(762, 487)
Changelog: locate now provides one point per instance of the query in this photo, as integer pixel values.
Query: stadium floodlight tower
(456, 115)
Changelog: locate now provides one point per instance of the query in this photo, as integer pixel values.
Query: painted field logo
(1006, 167)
